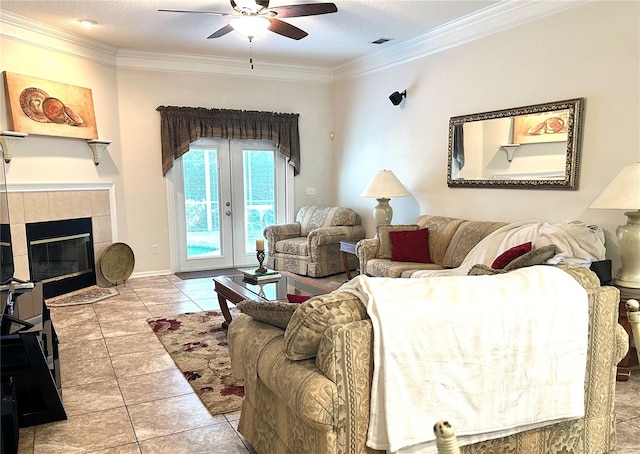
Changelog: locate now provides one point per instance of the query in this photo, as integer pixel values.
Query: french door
(225, 193)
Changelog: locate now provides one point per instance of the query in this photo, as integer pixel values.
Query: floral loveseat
(310, 246)
(307, 387)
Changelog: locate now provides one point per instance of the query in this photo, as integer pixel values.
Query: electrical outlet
(311, 191)
(154, 248)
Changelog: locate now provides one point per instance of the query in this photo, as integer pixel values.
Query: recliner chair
(310, 246)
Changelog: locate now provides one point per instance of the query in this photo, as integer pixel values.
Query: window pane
(202, 204)
(259, 190)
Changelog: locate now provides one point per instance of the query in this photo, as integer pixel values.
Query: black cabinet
(29, 360)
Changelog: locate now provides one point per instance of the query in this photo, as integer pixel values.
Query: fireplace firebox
(61, 255)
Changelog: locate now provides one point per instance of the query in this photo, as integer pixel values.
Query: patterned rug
(198, 345)
(83, 296)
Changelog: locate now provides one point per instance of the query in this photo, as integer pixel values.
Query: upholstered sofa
(310, 246)
(450, 240)
(307, 387)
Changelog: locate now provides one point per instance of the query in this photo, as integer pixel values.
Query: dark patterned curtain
(179, 126)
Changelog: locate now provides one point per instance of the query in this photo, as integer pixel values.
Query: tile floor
(124, 395)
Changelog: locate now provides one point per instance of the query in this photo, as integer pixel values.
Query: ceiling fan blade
(223, 31)
(192, 11)
(285, 29)
(306, 9)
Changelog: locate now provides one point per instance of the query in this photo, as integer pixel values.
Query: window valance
(179, 126)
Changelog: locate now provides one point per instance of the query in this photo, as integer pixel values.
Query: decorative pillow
(384, 251)
(483, 270)
(507, 256)
(297, 299)
(274, 313)
(410, 246)
(302, 336)
(535, 257)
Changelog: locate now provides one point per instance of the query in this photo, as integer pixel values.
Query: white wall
(125, 101)
(590, 51)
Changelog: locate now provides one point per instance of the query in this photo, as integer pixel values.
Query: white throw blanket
(576, 244)
(491, 354)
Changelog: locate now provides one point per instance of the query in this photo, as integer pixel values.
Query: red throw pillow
(410, 245)
(507, 256)
(298, 299)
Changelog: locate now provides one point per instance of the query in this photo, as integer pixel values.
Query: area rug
(198, 345)
(83, 296)
(206, 273)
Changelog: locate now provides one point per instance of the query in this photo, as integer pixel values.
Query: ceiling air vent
(381, 41)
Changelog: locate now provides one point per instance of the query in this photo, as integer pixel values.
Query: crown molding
(21, 29)
(494, 19)
(237, 67)
(502, 16)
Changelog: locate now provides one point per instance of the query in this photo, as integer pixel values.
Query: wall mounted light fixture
(396, 97)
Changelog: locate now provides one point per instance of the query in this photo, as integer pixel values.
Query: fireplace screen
(61, 255)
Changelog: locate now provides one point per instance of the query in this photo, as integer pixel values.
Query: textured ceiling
(334, 39)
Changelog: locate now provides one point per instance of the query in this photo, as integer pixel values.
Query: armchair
(310, 246)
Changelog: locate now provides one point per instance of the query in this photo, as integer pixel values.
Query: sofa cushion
(293, 246)
(510, 254)
(313, 317)
(464, 239)
(389, 268)
(410, 245)
(385, 248)
(484, 270)
(273, 312)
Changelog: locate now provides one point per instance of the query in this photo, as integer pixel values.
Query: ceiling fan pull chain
(251, 51)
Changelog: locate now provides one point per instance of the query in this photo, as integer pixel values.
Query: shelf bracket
(510, 149)
(98, 146)
(8, 141)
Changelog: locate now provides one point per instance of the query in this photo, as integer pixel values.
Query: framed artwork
(48, 108)
(541, 127)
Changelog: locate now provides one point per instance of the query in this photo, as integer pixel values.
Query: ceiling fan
(252, 16)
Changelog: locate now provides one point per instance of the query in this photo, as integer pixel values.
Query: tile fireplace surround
(42, 202)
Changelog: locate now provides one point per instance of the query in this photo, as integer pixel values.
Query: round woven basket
(116, 263)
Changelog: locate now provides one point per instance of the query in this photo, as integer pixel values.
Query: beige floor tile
(197, 441)
(75, 373)
(86, 350)
(131, 448)
(125, 327)
(27, 437)
(110, 315)
(133, 343)
(141, 363)
(161, 310)
(154, 386)
(85, 433)
(78, 330)
(200, 294)
(209, 304)
(169, 416)
(92, 397)
(233, 416)
(165, 298)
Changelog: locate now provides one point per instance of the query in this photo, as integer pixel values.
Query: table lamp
(383, 187)
(623, 193)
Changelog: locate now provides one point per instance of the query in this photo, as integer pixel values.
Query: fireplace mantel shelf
(9, 140)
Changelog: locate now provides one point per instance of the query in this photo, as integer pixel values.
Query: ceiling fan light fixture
(250, 26)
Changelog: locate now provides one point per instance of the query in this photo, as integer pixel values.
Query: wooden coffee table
(233, 288)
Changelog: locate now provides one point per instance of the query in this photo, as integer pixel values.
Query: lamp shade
(623, 193)
(385, 185)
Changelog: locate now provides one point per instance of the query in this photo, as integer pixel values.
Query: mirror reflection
(529, 147)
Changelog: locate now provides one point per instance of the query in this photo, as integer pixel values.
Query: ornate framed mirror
(531, 147)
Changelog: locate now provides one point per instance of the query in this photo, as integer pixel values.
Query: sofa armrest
(366, 250)
(333, 235)
(278, 232)
(345, 356)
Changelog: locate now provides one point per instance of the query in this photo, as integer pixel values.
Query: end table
(347, 247)
(630, 361)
